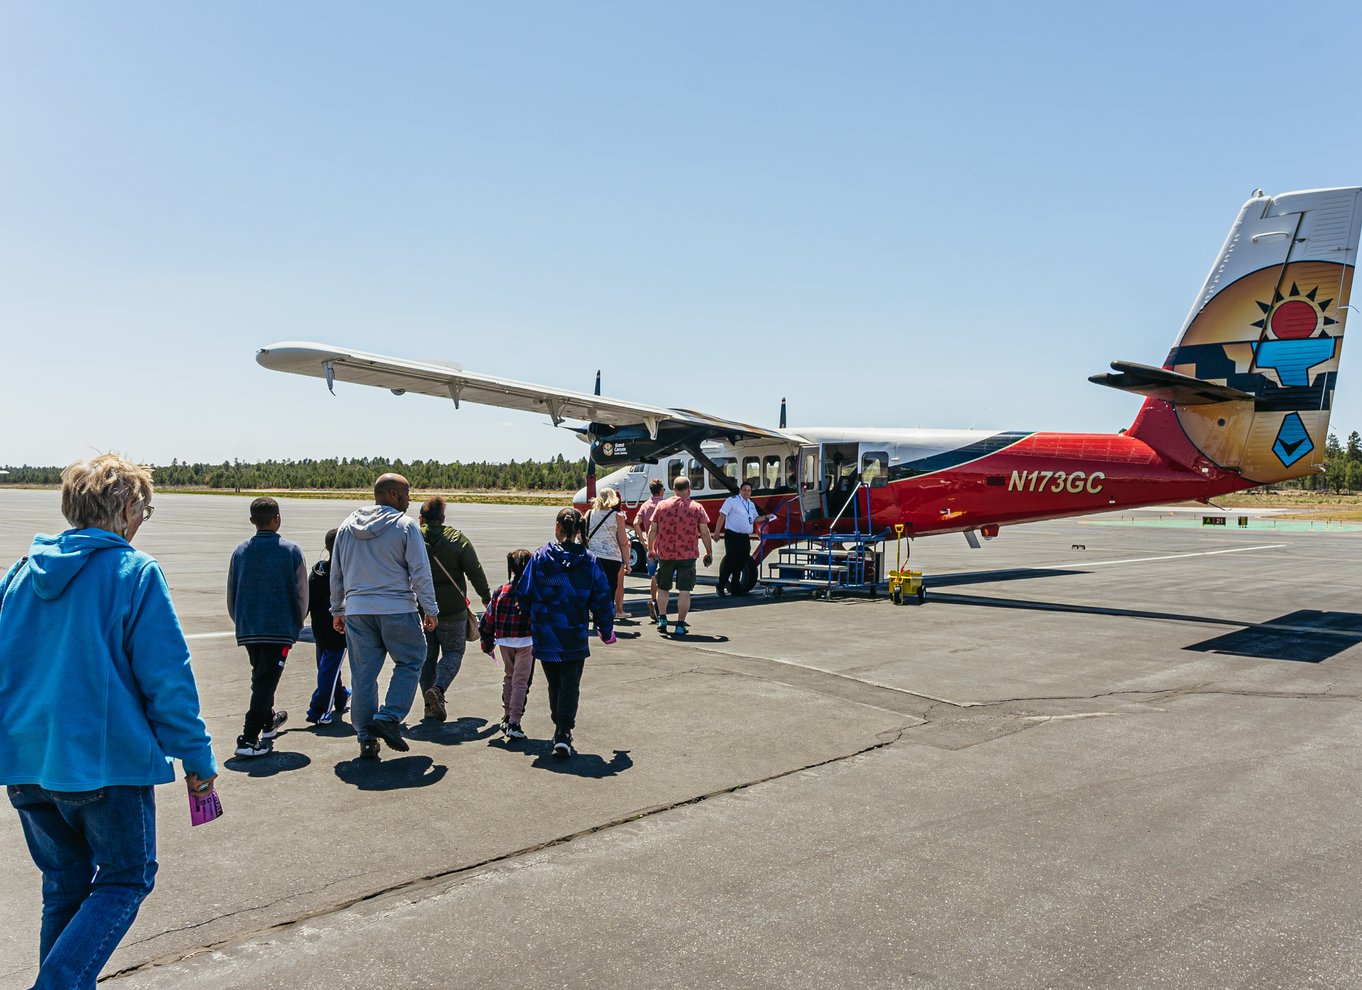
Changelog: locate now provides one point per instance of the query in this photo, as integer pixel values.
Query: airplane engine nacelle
(632, 445)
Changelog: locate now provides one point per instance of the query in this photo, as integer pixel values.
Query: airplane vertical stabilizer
(1264, 338)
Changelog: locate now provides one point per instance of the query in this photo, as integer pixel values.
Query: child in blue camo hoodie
(564, 588)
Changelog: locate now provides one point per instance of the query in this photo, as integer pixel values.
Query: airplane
(1242, 399)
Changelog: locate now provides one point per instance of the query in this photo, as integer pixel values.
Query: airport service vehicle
(1242, 399)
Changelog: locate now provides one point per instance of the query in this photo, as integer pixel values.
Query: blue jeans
(97, 853)
(369, 638)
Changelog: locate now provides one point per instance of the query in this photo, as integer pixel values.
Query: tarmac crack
(954, 727)
(416, 885)
(245, 910)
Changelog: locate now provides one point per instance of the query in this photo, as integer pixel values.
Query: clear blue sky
(894, 214)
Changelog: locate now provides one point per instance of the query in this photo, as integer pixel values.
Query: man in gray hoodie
(379, 572)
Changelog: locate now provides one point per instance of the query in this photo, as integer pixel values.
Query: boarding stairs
(844, 555)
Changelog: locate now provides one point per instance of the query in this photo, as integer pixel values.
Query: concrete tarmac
(1101, 755)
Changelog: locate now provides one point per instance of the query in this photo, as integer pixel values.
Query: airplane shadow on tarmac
(1303, 636)
(391, 774)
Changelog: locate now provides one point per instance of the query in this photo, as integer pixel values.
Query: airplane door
(810, 490)
(840, 474)
(635, 486)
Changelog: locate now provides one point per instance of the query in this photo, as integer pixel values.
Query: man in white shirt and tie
(737, 518)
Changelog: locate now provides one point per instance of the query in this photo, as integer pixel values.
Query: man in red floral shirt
(677, 524)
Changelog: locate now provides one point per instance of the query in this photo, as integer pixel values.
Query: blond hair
(95, 492)
(607, 498)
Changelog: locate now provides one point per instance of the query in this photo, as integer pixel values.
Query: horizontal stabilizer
(1182, 390)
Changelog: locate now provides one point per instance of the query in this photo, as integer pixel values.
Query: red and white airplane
(1242, 399)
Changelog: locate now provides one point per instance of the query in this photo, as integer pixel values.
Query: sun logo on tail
(1294, 316)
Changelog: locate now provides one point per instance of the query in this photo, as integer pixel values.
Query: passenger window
(674, 470)
(791, 463)
(729, 466)
(771, 472)
(696, 474)
(875, 468)
(751, 471)
(808, 479)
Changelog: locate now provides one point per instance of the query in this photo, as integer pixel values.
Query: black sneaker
(390, 732)
(245, 747)
(505, 722)
(562, 745)
(280, 717)
(514, 731)
(368, 749)
(435, 705)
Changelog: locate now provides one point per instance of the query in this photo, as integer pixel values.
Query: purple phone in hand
(204, 807)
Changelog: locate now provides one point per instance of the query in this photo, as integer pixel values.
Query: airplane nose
(580, 498)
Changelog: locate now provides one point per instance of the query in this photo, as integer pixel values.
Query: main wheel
(747, 577)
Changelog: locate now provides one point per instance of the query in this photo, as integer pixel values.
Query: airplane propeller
(591, 461)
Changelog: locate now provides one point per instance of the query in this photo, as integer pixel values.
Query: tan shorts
(680, 572)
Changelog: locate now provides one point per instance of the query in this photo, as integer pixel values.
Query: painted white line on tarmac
(216, 635)
(1171, 556)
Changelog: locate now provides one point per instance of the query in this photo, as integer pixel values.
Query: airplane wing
(338, 364)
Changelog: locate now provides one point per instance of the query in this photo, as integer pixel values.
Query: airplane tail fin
(1248, 386)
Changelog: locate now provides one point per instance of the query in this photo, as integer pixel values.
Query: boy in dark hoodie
(332, 697)
(564, 588)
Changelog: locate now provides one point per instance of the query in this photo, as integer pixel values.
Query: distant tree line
(1343, 473)
(329, 474)
(1342, 470)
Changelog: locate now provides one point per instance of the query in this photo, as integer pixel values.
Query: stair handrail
(764, 536)
(852, 501)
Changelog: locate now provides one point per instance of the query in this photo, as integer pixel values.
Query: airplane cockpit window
(875, 468)
(674, 470)
(696, 474)
(729, 466)
(639, 469)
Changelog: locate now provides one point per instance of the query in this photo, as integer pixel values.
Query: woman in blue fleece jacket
(564, 586)
(96, 699)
